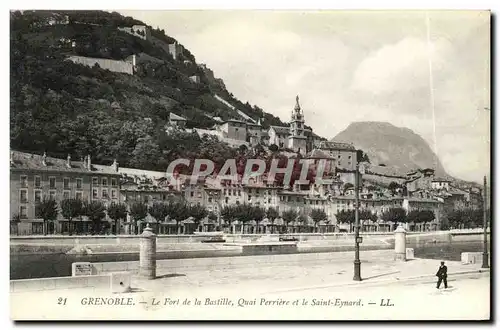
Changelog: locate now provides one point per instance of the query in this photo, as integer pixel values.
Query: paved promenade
(377, 267)
(231, 292)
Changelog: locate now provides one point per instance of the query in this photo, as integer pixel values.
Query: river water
(54, 265)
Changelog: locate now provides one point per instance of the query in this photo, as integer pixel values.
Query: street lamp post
(485, 225)
(357, 262)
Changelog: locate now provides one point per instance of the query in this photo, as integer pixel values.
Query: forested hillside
(65, 108)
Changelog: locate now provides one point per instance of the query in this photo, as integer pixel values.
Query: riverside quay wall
(130, 243)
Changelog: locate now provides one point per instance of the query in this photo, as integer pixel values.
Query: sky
(424, 70)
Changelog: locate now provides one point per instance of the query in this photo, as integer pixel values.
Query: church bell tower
(297, 140)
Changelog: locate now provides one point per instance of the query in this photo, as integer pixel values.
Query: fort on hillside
(127, 66)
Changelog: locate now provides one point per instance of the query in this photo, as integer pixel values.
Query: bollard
(147, 256)
(400, 243)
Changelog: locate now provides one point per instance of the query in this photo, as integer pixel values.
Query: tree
(198, 212)
(46, 210)
(346, 216)
(95, 211)
(427, 216)
(363, 157)
(318, 215)
(14, 223)
(70, 209)
(177, 212)
(395, 214)
(257, 213)
(117, 211)
(393, 186)
(272, 214)
(158, 211)
(289, 216)
(302, 219)
(348, 185)
(138, 212)
(213, 217)
(273, 148)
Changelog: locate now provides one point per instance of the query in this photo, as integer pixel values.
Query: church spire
(297, 105)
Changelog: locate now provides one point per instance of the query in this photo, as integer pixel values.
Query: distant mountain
(396, 147)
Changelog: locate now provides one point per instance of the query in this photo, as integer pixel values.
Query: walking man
(442, 274)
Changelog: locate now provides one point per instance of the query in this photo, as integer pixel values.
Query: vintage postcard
(250, 165)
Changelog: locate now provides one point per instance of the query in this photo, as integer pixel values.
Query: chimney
(89, 163)
(115, 166)
(68, 161)
(44, 159)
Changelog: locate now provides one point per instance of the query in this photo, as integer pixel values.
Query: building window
(79, 183)
(199, 194)
(104, 193)
(66, 194)
(66, 183)
(23, 195)
(23, 212)
(192, 193)
(52, 182)
(94, 193)
(38, 181)
(239, 192)
(38, 195)
(104, 181)
(113, 182)
(24, 181)
(95, 181)
(227, 200)
(113, 194)
(52, 194)
(210, 199)
(79, 195)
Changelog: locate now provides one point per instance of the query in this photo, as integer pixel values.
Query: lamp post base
(357, 270)
(485, 260)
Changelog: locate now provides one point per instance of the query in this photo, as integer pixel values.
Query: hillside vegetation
(65, 108)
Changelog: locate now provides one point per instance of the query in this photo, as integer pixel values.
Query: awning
(188, 220)
(207, 221)
(170, 222)
(279, 222)
(325, 223)
(265, 222)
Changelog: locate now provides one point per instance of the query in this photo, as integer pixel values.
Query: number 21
(61, 301)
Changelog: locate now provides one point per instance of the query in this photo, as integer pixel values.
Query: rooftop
(318, 153)
(331, 145)
(281, 129)
(173, 116)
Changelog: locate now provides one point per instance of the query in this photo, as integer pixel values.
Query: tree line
(74, 209)
(394, 215)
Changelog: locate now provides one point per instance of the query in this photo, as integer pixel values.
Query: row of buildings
(34, 177)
